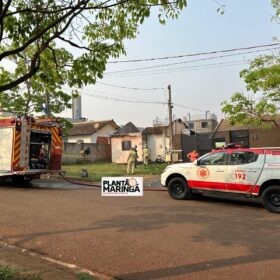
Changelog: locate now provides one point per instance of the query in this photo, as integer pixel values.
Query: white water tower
(77, 107)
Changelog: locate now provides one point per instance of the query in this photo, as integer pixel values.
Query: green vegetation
(261, 107)
(8, 273)
(98, 170)
(92, 29)
(85, 276)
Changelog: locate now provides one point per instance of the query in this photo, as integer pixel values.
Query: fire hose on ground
(99, 186)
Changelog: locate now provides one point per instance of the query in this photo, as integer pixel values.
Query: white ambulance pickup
(242, 172)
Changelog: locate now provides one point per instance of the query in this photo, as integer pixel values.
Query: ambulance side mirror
(195, 162)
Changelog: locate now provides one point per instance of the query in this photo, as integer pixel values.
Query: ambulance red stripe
(231, 187)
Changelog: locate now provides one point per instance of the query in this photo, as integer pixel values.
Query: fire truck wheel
(271, 199)
(178, 188)
(21, 179)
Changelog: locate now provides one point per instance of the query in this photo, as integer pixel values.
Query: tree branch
(56, 63)
(2, 14)
(40, 34)
(34, 68)
(74, 44)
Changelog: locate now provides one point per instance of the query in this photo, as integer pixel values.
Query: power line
(195, 54)
(141, 101)
(95, 92)
(180, 69)
(123, 100)
(218, 3)
(187, 107)
(184, 62)
(132, 88)
(138, 101)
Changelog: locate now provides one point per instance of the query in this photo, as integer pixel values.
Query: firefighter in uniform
(131, 161)
(146, 155)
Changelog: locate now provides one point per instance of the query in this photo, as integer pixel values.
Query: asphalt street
(149, 237)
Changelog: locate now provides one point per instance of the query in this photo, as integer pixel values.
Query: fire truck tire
(271, 199)
(21, 179)
(178, 188)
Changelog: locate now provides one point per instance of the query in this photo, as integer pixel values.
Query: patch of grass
(8, 273)
(98, 170)
(85, 276)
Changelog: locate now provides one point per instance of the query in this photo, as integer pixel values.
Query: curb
(72, 268)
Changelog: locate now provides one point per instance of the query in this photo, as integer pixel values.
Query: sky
(199, 29)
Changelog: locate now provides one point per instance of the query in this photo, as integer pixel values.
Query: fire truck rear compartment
(6, 146)
(40, 149)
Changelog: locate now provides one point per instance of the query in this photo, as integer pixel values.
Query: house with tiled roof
(247, 135)
(91, 131)
(123, 139)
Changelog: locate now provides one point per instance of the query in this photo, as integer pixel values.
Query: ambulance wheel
(178, 188)
(271, 199)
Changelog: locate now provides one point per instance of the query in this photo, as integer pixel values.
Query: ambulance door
(210, 172)
(6, 149)
(243, 171)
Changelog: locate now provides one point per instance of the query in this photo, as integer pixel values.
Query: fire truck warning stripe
(16, 161)
(17, 148)
(56, 137)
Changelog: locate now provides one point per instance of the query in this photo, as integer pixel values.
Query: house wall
(75, 138)
(257, 137)
(197, 125)
(120, 156)
(105, 131)
(264, 137)
(157, 145)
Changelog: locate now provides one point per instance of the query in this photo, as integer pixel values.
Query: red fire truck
(29, 147)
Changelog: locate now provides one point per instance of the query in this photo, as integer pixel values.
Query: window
(214, 159)
(240, 137)
(204, 124)
(126, 145)
(39, 149)
(191, 125)
(238, 158)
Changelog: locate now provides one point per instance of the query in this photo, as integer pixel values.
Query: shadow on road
(227, 224)
(197, 267)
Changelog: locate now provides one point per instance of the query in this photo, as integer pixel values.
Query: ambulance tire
(178, 188)
(271, 199)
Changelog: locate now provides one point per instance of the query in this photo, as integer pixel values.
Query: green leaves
(97, 29)
(261, 107)
(51, 77)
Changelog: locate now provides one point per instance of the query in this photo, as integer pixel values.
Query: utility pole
(170, 106)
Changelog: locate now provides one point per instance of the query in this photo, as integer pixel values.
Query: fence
(202, 143)
(98, 152)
